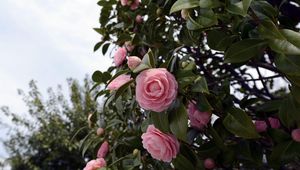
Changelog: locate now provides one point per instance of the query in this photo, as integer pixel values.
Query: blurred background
(47, 41)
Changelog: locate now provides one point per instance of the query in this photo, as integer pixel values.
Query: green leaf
(200, 85)
(264, 10)
(98, 45)
(179, 122)
(206, 18)
(240, 124)
(295, 90)
(181, 162)
(148, 61)
(219, 40)
(122, 89)
(240, 8)
(184, 4)
(278, 135)
(187, 4)
(282, 41)
(160, 121)
(289, 112)
(105, 48)
(284, 152)
(288, 64)
(244, 50)
(97, 76)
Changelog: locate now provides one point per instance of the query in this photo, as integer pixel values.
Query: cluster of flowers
(155, 90)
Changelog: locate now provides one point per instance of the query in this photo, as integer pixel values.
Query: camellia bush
(198, 84)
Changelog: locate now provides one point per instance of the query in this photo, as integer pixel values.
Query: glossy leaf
(179, 122)
(240, 124)
(244, 50)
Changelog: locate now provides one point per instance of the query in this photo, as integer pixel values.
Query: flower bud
(133, 62)
(184, 14)
(296, 135)
(135, 152)
(103, 150)
(138, 19)
(209, 163)
(260, 126)
(275, 124)
(100, 131)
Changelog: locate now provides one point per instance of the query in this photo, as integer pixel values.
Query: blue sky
(48, 41)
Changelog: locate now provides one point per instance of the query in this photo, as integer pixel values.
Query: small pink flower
(100, 131)
(209, 163)
(135, 4)
(156, 89)
(95, 164)
(124, 2)
(275, 124)
(103, 150)
(138, 19)
(128, 45)
(133, 62)
(198, 119)
(260, 126)
(120, 56)
(161, 146)
(118, 82)
(296, 135)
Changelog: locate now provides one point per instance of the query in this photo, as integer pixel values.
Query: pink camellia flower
(103, 150)
(138, 19)
(133, 62)
(260, 126)
(120, 56)
(135, 4)
(198, 119)
(95, 164)
(209, 163)
(100, 131)
(128, 45)
(161, 146)
(275, 124)
(156, 89)
(296, 135)
(118, 82)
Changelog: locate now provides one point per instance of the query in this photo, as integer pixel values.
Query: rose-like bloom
(184, 14)
(128, 45)
(100, 131)
(118, 82)
(103, 150)
(95, 164)
(260, 126)
(135, 4)
(133, 62)
(209, 163)
(120, 56)
(138, 19)
(274, 122)
(197, 118)
(296, 135)
(156, 89)
(161, 146)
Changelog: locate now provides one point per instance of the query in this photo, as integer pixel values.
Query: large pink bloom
(118, 82)
(198, 119)
(120, 56)
(161, 146)
(95, 164)
(296, 135)
(156, 89)
(103, 150)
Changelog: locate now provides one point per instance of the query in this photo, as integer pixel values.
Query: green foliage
(49, 135)
(230, 58)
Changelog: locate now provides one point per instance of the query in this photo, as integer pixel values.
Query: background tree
(45, 137)
(236, 59)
